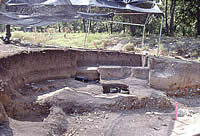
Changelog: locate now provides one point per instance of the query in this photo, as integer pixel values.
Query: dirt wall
(119, 72)
(172, 74)
(114, 58)
(39, 64)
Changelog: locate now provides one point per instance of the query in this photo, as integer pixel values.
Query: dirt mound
(148, 103)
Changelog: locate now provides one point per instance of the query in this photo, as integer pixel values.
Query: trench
(26, 76)
(38, 86)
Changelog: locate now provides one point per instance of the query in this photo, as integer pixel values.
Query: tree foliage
(184, 17)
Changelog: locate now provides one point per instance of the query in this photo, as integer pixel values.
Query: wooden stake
(176, 115)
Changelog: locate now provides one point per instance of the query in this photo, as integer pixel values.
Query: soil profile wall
(109, 58)
(36, 65)
(172, 74)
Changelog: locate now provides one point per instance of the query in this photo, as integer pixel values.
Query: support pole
(143, 35)
(144, 28)
(86, 34)
(117, 22)
(159, 40)
(87, 30)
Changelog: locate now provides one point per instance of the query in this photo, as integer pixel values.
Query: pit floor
(99, 122)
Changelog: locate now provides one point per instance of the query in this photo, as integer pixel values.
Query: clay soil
(66, 107)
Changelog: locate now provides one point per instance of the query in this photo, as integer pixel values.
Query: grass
(101, 40)
(129, 47)
(198, 60)
(75, 40)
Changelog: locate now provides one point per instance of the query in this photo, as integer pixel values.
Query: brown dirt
(65, 107)
(81, 108)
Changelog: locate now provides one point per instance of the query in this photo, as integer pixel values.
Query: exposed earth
(66, 107)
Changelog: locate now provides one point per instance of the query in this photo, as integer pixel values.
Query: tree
(189, 16)
(166, 17)
(172, 14)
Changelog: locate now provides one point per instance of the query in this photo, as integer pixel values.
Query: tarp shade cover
(43, 12)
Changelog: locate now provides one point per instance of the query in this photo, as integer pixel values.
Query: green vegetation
(180, 35)
(129, 47)
(199, 59)
(75, 40)
(181, 18)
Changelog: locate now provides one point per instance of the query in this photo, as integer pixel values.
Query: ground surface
(87, 111)
(81, 119)
(77, 108)
(182, 46)
(187, 47)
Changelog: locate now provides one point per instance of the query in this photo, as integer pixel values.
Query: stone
(156, 128)
(2, 85)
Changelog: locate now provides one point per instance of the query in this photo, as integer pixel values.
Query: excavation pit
(39, 92)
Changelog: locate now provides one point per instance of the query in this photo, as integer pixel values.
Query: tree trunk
(198, 22)
(41, 30)
(166, 17)
(84, 27)
(183, 30)
(8, 32)
(111, 27)
(124, 26)
(172, 11)
(132, 28)
(106, 27)
(198, 27)
(91, 26)
(59, 28)
(74, 28)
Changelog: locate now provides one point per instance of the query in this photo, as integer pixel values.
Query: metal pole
(87, 29)
(143, 36)
(130, 13)
(117, 22)
(159, 40)
(85, 42)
